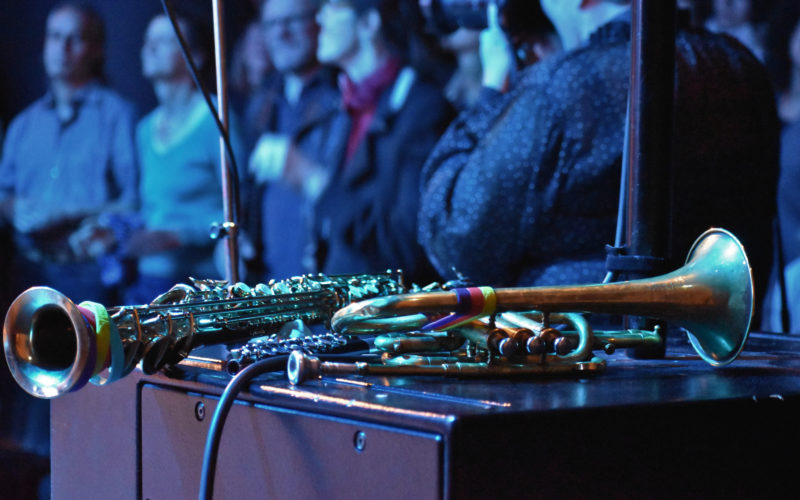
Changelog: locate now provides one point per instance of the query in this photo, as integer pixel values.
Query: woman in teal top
(180, 185)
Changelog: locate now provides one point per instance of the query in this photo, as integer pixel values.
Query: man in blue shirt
(68, 156)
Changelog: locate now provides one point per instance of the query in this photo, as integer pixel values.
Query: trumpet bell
(47, 343)
(718, 329)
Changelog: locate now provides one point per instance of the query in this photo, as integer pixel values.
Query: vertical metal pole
(651, 104)
(652, 84)
(228, 195)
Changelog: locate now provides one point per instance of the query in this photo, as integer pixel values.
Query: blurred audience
(80, 133)
(530, 32)
(179, 150)
(523, 36)
(789, 103)
(314, 145)
(250, 66)
(365, 219)
(784, 63)
(464, 86)
(292, 117)
(68, 156)
(180, 186)
(696, 10)
(516, 37)
(782, 307)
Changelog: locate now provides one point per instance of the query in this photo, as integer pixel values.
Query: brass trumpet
(54, 346)
(711, 297)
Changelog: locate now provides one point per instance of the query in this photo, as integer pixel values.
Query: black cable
(233, 170)
(622, 205)
(226, 401)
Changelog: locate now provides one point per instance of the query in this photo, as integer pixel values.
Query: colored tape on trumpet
(110, 353)
(489, 301)
(103, 330)
(471, 303)
(88, 315)
(117, 355)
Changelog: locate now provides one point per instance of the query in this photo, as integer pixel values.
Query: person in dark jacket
(523, 189)
(365, 219)
(292, 115)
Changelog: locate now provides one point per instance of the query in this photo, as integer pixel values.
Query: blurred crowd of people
(364, 142)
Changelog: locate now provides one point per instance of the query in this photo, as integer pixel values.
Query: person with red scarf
(365, 219)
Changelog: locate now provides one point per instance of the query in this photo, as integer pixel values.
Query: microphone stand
(652, 83)
(230, 228)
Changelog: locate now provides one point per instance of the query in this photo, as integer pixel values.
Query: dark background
(22, 30)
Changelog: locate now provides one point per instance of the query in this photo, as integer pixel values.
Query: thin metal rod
(228, 196)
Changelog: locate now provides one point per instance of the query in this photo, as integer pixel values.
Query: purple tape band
(88, 369)
(462, 310)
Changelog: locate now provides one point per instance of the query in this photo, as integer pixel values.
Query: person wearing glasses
(291, 117)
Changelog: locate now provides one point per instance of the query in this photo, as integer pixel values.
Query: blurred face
(161, 52)
(730, 13)
(290, 33)
(68, 55)
(338, 32)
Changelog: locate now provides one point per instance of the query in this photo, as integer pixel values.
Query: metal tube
(302, 367)
(650, 139)
(228, 194)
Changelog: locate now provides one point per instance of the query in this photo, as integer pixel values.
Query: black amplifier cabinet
(671, 428)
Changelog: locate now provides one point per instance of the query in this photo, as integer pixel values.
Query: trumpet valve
(536, 345)
(499, 342)
(548, 340)
(549, 336)
(507, 347)
(562, 346)
(522, 336)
